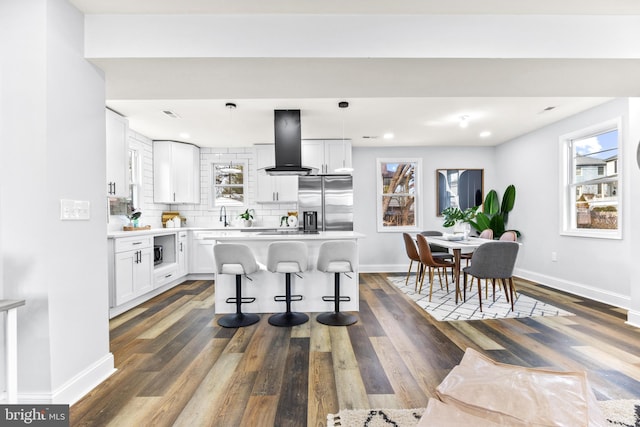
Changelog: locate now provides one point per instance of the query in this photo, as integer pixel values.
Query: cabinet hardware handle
(180, 246)
(114, 188)
(168, 275)
(136, 243)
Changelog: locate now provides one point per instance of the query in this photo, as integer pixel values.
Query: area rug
(620, 413)
(443, 307)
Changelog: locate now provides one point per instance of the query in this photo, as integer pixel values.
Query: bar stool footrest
(333, 299)
(233, 300)
(282, 298)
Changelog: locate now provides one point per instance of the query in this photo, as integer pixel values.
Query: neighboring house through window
(590, 187)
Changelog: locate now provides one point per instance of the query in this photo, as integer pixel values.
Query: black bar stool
(287, 258)
(337, 257)
(239, 260)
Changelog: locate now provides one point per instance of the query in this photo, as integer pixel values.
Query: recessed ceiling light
(388, 135)
(485, 134)
(185, 135)
(171, 114)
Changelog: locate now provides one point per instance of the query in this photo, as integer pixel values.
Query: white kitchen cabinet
(272, 189)
(176, 172)
(116, 129)
(182, 258)
(133, 268)
(201, 256)
(327, 156)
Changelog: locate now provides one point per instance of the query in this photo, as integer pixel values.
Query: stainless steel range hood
(288, 144)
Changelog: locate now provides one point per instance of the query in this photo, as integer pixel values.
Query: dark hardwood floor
(176, 366)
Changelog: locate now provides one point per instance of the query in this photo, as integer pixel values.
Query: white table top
(470, 243)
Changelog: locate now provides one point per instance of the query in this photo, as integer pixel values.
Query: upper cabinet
(273, 188)
(176, 172)
(117, 128)
(328, 156)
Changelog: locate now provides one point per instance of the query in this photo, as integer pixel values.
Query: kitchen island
(264, 285)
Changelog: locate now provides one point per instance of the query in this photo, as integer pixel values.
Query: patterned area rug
(621, 413)
(443, 307)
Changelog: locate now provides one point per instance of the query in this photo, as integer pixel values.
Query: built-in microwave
(157, 254)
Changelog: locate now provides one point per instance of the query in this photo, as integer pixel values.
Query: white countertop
(235, 235)
(156, 231)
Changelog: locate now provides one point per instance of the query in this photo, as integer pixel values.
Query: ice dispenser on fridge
(310, 221)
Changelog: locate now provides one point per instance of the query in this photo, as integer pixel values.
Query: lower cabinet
(133, 269)
(201, 256)
(133, 274)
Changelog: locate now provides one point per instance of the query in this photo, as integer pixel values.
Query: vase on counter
(247, 223)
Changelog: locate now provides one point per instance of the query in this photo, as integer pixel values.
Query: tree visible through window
(228, 184)
(592, 196)
(397, 194)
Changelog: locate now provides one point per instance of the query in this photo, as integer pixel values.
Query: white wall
(53, 147)
(601, 269)
(597, 268)
(385, 251)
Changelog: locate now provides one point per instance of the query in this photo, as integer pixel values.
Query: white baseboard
(383, 268)
(74, 389)
(633, 318)
(612, 298)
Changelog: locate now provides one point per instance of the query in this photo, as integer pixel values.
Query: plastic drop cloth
(496, 394)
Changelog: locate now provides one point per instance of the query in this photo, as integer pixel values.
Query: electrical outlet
(74, 210)
(554, 256)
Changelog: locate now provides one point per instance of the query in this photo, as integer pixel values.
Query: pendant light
(344, 169)
(230, 169)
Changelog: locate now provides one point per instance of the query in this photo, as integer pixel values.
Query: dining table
(457, 246)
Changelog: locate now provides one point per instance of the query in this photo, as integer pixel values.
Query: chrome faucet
(223, 216)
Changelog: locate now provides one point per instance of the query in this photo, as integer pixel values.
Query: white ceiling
(418, 100)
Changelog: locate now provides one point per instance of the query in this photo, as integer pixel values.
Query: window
(135, 178)
(591, 184)
(228, 184)
(397, 193)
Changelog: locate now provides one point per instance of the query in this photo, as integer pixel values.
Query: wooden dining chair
(428, 260)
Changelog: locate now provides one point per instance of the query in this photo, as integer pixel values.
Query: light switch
(74, 209)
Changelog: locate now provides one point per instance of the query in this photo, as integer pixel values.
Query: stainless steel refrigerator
(331, 196)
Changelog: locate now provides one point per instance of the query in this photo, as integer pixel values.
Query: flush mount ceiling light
(485, 134)
(464, 121)
(344, 169)
(185, 135)
(388, 135)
